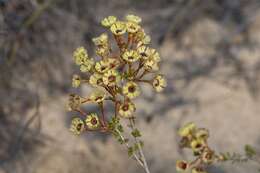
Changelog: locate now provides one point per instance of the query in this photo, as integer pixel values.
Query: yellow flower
(197, 146)
(76, 81)
(208, 156)
(132, 27)
(87, 65)
(118, 28)
(113, 63)
(108, 21)
(77, 126)
(130, 56)
(80, 55)
(92, 121)
(144, 52)
(131, 90)
(187, 129)
(111, 78)
(97, 96)
(182, 166)
(102, 40)
(159, 83)
(198, 170)
(96, 79)
(154, 55)
(151, 65)
(133, 18)
(126, 109)
(102, 51)
(102, 66)
(142, 38)
(202, 133)
(74, 102)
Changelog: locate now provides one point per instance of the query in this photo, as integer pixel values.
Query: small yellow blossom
(113, 63)
(182, 166)
(76, 80)
(74, 102)
(108, 21)
(77, 126)
(151, 65)
(131, 56)
(92, 121)
(132, 27)
(102, 40)
(187, 129)
(202, 133)
(87, 65)
(159, 83)
(197, 145)
(144, 52)
(131, 90)
(142, 38)
(80, 55)
(97, 96)
(102, 66)
(118, 28)
(133, 18)
(111, 78)
(154, 55)
(96, 79)
(102, 51)
(126, 109)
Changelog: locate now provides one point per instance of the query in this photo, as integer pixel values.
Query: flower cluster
(116, 74)
(195, 139)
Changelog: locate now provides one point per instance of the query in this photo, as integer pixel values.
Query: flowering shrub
(116, 75)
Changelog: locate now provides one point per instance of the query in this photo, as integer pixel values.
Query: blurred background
(211, 58)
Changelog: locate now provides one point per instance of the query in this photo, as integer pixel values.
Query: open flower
(151, 65)
(76, 80)
(108, 21)
(86, 65)
(111, 78)
(131, 56)
(154, 55)
(102, 40)
(74, 102)
(133, 18)
(118, 28)
(102, 66)
(113, 63)
(96, 79)
(131, 90)
(92, 121)
(159, 83)
(182, 166)
(197, 146)
(80, 55)
(126, 109)
(97, 96)
(144, 52)
(187, 129)
(132, 27)
(77, 126)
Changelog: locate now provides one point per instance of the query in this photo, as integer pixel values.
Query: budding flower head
(118, 28)
(131, 90)
(126, 109)
(133, 18)
(74, 102)
(108, 21)
(86, 65)
(75, 81)
(187, 129)
(182, 166)
(92, 121)
(80, 54)
(159, 83)
(77, 126)
(102, 40)
(202, 133)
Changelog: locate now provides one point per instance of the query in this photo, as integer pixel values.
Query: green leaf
(130, 151)
(136, 133)
(249, 150)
